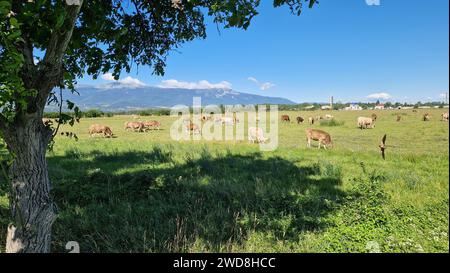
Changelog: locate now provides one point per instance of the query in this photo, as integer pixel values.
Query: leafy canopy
(108, 36)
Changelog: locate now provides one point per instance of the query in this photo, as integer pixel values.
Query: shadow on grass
(204, 203)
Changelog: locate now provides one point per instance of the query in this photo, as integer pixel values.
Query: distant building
(353, 107)
(326, 107)
(379, 107)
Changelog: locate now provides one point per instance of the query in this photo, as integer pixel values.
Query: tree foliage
(108, 36)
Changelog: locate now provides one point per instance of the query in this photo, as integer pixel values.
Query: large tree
(76, 38)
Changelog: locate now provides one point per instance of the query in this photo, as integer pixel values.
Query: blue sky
(398, 50)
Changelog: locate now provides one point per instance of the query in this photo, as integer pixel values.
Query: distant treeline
(94, 113)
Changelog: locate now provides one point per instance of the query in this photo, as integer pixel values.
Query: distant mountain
(123, 99)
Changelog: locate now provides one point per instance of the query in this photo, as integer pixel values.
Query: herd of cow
(255, 134)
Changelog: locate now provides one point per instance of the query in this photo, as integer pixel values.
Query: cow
(192, 127)
(47, 122)
(285, 118)
(328, 116)
(318, 118)
(322, 137)
(95, 129)
(374, 117)
(148, 125)
(311, 121)
(226, 120)
(444, 117)
(256, 135)
(300, 120)
(399, 118)
(134, 126)
(365, 123)
(426, 117)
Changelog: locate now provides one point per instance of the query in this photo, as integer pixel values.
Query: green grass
(143, 192)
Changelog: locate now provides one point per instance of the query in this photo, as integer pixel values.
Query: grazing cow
(95, 129)
(300, 120)
(47, 122)
(444, 117)
(399, 118)
(134, 126)
(414, 111)
(318, 118)
(426, 117)
(328, 116)
(322, 137)
(311, 121)
(226, 121)
(256, 135)
(285, 118)
(194, 128)
(374, 117)
(148, 125)
(365, 123)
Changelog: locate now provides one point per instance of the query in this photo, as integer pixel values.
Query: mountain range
(124, 99)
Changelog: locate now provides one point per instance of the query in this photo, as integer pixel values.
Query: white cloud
(195, 85)
(379, 96)
(108, 77)
(263, 86)
(127, 82)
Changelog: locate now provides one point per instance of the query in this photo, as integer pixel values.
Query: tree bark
(32, 208)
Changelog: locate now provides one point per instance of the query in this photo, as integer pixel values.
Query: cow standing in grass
(322, 137)
(256, 135)
(311, 121)
(96, 129)
(365, 123)
(300, 120)
(426, 117)
(148, 125)
(444, 117)
(134, 126)
(285, 118)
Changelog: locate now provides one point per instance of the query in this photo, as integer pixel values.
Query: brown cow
(136, 126)
(285, 118)
(95, 129)
(399, 118)
(194, 128)
(322, 137)
(426, 117)
(300, 120)
(148, 125)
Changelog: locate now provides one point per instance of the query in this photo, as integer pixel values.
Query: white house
(353, 107)
(379, 107)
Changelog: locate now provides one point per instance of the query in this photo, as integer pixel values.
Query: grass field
(143, 192)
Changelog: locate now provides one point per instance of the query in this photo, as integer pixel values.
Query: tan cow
(311, 121)
(135, 126)
(399, 118)
(256, 135)
(96, 129)
(148, 125)
(322, 137)
(193, 128)
(365, 123)
(426, 117)
(444, 117)
(47, 122)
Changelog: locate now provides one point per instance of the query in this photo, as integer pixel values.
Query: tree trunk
(33, 211)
